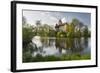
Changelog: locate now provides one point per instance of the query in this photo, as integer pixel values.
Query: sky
(52, 17)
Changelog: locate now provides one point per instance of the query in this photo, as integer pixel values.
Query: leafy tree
(70, 30)
(86, 32)
(45, 31)
(27, 35)
(75, 21)
(78, 33)
(38, 22)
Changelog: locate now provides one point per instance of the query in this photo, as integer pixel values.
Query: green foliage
(28, 32)
(74, 30)
(86, 32)
(75, 21)
(27, 35)
(48, 31)
(27, 57)
(61, 34)
(40, 58)
(78, 33)
(45, 31)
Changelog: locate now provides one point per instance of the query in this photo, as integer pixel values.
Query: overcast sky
(51, 17)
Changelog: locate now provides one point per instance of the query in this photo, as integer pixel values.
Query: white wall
(5, 36)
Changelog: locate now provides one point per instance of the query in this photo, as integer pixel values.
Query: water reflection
(59, 46)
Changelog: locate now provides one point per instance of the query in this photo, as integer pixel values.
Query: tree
(27, 32)
(78, 33)
(70, 30)
(38, 22)
(75, 21)
(86, 32)
(27, 35)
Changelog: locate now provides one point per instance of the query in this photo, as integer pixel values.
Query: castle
(60, 26)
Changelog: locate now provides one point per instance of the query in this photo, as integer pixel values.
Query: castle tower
(59, 22)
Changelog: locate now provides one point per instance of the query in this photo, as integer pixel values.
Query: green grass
(75, 57)
(40, 58)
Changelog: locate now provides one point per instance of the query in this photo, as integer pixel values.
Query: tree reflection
(73, 44)
(58, 47)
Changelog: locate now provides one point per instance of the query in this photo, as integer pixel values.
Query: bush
(27, 35)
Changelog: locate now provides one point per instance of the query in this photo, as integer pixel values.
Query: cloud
(53, 18)
(48, 17)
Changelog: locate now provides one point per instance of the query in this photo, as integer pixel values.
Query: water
(57, 49)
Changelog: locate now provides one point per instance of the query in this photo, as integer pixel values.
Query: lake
(58, 49)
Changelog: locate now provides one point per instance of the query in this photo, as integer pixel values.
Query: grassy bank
(40, 58)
